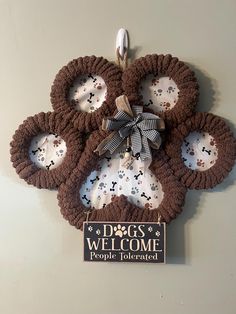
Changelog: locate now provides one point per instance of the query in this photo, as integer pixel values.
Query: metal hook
(122, 42)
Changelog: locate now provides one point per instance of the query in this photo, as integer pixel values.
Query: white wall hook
(122, 42)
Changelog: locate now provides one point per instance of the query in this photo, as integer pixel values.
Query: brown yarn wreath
(225, 143)
(50, 122)
(119, 209)
(169, 66)
(110, 73)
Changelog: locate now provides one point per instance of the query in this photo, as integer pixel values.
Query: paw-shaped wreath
(59, 149)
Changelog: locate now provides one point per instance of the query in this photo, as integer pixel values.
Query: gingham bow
(141, 127)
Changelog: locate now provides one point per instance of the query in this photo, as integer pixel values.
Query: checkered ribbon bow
(142, 128)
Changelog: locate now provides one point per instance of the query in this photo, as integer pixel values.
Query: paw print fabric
(86, 89)
(202, 151)
(159, 93)
(94, 188)
(47, 151)
(163, 84)
(112, 178)
(199, 151)
(88, 93)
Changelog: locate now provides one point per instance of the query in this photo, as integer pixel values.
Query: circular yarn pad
(163, 85)
(90, 84)
(38, 173)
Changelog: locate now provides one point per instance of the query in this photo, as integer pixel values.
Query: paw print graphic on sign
(120, 231)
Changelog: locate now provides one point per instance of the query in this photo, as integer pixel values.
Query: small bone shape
(84, 197)
(95, 179)
(113, 186)
(48, 166)
(149, 103)
(91, 95)
(144, 195)
(137, 175)
(207, 151)
(92, 77)
(35, 151)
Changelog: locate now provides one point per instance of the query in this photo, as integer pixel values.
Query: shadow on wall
(177, 231)
(209, 94)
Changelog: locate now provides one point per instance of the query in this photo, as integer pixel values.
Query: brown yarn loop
(110, 73)
(120, 209)
(225, 143)
(165, 65)
(50, 122)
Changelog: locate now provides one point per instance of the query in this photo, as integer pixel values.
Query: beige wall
(41, 268)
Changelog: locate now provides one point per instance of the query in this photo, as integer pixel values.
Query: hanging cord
(122, 62)
(87, 213)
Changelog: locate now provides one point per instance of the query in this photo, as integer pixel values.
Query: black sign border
(126, 222)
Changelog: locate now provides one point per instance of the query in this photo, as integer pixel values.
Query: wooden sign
(124, 242)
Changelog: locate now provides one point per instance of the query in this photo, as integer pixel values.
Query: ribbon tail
(100, 148)
(145, 151)
(136, 141)
(154, 137)
(110, 143)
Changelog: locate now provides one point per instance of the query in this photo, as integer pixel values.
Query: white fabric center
(88, 92)
(111, 179)
(47, 151)
(160, 93)
(199, 151)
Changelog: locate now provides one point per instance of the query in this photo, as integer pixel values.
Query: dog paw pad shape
(120, 231)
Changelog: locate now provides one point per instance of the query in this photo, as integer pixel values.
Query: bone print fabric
(47, 151)
(94, 188)
(86, 88)
(112, 178)
(88, 93)
(199, 151)
(164, 84)
(159, 93)
(202, 151)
